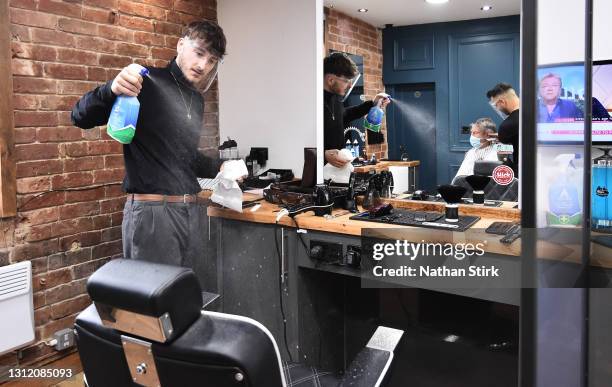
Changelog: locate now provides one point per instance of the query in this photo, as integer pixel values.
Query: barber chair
(147, 327)
(493, 191)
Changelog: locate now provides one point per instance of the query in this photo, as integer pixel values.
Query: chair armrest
(371, 364)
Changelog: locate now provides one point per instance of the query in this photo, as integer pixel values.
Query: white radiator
(16, 306)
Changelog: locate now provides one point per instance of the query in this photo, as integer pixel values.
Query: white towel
(227, 193)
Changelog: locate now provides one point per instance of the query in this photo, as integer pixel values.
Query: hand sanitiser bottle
(124, 115)
(563, 196)
(375, 116)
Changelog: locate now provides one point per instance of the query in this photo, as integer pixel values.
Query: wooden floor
(71, 361)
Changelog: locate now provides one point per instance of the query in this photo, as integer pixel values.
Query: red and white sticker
(503, 175)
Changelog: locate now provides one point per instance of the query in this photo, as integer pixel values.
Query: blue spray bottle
(600, 191)
(563, 196)
(375, 116)
(124, 115)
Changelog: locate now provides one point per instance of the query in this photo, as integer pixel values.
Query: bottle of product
(350, 147)
(124, 115)
(601, 182)
(375, 116)
(563, 197)
(355, 148)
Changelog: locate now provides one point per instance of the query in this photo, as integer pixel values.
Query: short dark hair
(210, 33)
(338, 63)
(499, 89)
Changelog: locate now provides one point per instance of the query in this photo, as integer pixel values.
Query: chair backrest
(151, 330)
(309, 172)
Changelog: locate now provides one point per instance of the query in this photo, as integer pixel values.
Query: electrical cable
(280, 293)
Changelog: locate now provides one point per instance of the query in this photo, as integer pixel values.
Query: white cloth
(227, 192)
(475, 154)
(343, 174)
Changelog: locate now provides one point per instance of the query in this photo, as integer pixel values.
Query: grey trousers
(170, 233)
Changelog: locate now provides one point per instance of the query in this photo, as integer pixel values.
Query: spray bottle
(124, 115)
(375, 116)
(563, 197)
(601, 184)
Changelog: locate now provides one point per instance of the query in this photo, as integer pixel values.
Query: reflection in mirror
(449, 74)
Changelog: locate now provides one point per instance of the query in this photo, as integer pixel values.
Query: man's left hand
(385, 99)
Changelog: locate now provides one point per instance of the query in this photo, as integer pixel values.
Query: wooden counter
(384, 165)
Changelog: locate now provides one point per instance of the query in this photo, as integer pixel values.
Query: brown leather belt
(187, 198)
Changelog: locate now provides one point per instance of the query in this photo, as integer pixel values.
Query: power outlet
(64, 339)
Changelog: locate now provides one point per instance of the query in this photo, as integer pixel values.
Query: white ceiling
(407, 12)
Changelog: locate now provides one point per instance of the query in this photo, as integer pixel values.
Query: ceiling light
(436, 1)
(362, 10)
(486, 8)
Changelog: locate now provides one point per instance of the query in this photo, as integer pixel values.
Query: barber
(504, 100)
(340, 75)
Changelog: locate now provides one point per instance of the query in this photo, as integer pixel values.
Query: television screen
(560, 110)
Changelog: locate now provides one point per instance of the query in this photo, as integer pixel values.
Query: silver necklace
(183, 98)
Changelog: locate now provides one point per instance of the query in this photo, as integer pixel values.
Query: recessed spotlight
(436, 1)
(363, 10)
(486, 8)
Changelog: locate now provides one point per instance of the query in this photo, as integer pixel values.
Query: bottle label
(601, 192)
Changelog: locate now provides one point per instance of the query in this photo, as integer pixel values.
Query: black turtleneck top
(163, 157)
(336, 117)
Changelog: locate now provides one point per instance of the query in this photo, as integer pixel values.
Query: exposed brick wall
(356, 37)
(62, 49)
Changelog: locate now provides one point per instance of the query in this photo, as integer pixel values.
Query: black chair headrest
(149, 289)
(485, 167)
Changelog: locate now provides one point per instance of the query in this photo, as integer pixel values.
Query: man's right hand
(332, 157)
(128, 81)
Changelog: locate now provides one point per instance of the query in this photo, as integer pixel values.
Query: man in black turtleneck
(340, 75)
(162, 217)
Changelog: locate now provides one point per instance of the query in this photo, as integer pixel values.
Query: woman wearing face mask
(482, 148)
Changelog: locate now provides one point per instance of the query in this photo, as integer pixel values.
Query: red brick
(83, 163)
(111, 234)
(101, 221)
(108, 175)
(59, 229)
(87, 268)
(188, 6)
(30, 202)
(26, 68)
(91, 134)
(81, 240)
(90, 148)
(171, 42)
(114, 161)
(58, 134)
(181, 18)
(63, 119)
(141, 10)
(34, 85)
(58, 38)
(33, 184)
(77, 26)
(34, 250)
(78, 210)
(36, 152)
(132, 50)
(168, 28)
(117, 218)
(34, 19)
(35, 118)
(40, 216)
(97, 74)
(25, 135)
(51, 279)
(69, 55)
(39, 299)
(39, 168)
(85, 195)
(99, 15)
(115, 190)
(114, 33)
(61, 103)
(114, 61)
(95, 44)
(163, 53)
(148, 38)
(66, 291)
(111, 205)
(75, 87)
(20, 33)
(69, 258)
(136, 23)
(60, 7)
(46, 332)
(101, 3)
(65, 71)
(66, 308)
(71, 180)
(25, 102)
(34, 51)
(27, 4)
(106, 250)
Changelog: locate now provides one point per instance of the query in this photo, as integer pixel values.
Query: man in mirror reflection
(340, 76)
(504, 100)
(482, 148)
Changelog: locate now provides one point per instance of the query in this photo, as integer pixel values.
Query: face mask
(475, 142)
